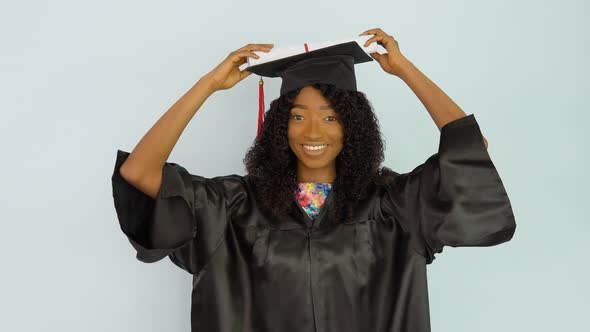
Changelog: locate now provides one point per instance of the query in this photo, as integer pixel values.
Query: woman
(263, 257)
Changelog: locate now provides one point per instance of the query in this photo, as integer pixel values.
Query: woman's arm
(441, 107)
(143, 167)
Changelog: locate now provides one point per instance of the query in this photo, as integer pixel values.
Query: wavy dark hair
(271, 165)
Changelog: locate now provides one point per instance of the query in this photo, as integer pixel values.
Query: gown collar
(322, 218)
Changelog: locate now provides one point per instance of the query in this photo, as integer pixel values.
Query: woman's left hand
(393, 61)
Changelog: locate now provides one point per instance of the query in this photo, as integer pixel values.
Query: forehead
(310, 95)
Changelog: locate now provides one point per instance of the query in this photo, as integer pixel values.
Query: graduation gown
(252, 273)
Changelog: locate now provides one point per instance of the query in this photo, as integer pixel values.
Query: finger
(251, 47)
(381, 40)
(256, 47)
(372, 40)
(244, 73)
(238, 59)
(369, 32)
(242, 56)
(378, 57)
(241, 61)
(375, 31)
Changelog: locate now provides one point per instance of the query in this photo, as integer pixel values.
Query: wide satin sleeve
(187, 219)
(455, 198)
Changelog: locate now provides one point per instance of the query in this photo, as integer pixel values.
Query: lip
(315, 152)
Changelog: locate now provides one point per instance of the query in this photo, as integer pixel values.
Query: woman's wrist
(207, 85)
(405, 69)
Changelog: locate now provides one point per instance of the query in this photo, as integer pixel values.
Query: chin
(316, 164)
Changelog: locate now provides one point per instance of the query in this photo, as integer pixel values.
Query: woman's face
(315, 135)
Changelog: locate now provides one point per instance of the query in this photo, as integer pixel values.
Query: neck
(323, 175)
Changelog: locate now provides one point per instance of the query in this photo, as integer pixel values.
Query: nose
(312, 130)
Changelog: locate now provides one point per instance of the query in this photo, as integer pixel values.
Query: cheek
(290, 135)
(292, 138)
(295, 132)
(338, 135)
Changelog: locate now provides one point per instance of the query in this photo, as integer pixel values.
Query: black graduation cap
(332, 64)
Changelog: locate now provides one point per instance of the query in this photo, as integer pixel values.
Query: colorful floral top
(311, 197)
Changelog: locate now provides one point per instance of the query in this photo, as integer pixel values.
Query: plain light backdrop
(80, 79)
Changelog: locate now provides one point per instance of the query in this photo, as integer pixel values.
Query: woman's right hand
(227, 73)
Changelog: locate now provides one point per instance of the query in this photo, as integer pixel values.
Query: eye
(331, 118)
(297, 117)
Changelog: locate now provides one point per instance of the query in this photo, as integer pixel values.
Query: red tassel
(260, 106)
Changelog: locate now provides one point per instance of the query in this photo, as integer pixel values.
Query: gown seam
(219, 241)
(216, 247)
(213, 252)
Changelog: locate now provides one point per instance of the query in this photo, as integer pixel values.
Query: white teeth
(315, 147)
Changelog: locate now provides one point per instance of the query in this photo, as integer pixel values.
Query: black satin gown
(252, 273)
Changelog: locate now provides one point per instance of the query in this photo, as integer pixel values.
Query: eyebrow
(324, 107)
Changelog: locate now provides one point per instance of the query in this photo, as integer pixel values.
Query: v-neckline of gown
(310, 223)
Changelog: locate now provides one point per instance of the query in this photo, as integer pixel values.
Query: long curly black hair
(271, 165)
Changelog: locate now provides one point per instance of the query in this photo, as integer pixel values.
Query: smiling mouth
(314, 147)
(314, 150)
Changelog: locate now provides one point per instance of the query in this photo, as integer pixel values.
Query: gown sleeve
(455, 198)
(186, 221)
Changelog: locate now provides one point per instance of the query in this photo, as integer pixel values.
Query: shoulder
(222, 180)
(230, 188)
(380, 183)
(385, 177)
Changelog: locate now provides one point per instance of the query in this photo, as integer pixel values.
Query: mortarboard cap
(328, 62)
(299, 66)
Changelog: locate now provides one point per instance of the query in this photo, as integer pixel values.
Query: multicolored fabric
(311, 196)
